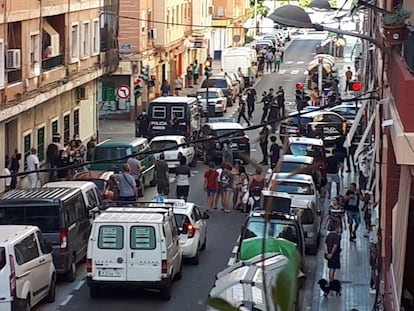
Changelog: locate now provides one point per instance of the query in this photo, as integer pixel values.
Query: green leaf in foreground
(284, 293)
(220, 304)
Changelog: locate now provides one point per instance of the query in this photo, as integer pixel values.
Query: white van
(134, 247)
(27, 273)
(238, 57)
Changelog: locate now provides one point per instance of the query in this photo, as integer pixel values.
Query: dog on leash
(326, 287)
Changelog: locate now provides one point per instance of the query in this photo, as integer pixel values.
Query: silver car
(215, 97)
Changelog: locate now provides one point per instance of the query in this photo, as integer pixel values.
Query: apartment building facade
(54, 58)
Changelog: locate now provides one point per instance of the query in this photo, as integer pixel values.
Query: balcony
(52, 62)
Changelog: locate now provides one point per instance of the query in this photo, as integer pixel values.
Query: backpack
(225, 180)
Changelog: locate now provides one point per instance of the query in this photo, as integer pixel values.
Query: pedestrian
(90, 146)
(183, 174)
(273, 114)
(126, 186)
(219, 193)
(52, 156)
(196, 70)
(242, 110)
(357, 62)
(236, 183)
(178, 85)
(363, 174)
(32, 162)
(135, 171)
(332, 170)
(263, 142)
(261, 63)
(341, 153)
(348, 78)
(266, 106)
(190, 76)
(165, 88)
(162, 177)
(350, 160)
(251, 101)
(280, 98)
(175, 124)
(351, 200)
(6, 172)
(269, 60)
(277, 60)
(15, 167)
(227, 153)
(210, 185)
(226, 181)
(143, 124)
(282, 53)
(253, 73)
(315, 97)
(336, 215)
(240, 72)
(367, 210)
(332, 251)
(81, 151)
(244, 189)
(274, 152)
(257, 180)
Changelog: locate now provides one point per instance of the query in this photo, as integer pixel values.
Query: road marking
(288, 62)
(282, 71)
(231, 261)
(305, 72)
(234, 251)
(79, 285)
(294, 72)
(300, 62)
(68, 298)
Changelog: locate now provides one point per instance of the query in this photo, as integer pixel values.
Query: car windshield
(100, 183)
(292, 187)
(305, 150)
(295, 120)
(163, 144)
(275, 229)
(182, 222)
(229, 133)
(203, 95)
(218, 83)
(45, 217)
(289, 167)
(111, 153)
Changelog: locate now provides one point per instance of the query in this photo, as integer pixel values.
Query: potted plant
(394, 25)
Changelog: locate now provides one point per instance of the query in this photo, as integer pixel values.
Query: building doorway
(11, 137)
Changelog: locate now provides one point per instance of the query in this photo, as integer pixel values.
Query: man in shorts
(332, 170)
(351, 199)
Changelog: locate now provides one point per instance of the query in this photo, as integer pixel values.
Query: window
(143, 237)
(306, 216)
(27, 141)
(92, 198)
(2, 73)
(163, 144)
(111, 237)
(159, 112)
(95, 37)
(26, 250)
(55, 128)
(168, 19)
(74, 42)
(85, 48)
(178, 112)
(75, 209)
(294, 188)
(2, 257)
(76, 121)
(41, 143)
(42, 242)
(66, 129)
(34, 51)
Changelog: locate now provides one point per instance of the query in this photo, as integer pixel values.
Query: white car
(193, 228)
(174, 144)
(299, 186)
(216, 97)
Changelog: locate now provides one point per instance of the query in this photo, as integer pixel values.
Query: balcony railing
(52, 62)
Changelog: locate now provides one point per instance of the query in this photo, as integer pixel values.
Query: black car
(220, 133)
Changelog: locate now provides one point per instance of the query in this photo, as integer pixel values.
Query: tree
(261, 8)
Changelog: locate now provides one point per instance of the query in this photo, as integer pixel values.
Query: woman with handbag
(126, 185)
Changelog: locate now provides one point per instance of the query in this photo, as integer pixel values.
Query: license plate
(234, 146)
(158, 127)
(109, 273)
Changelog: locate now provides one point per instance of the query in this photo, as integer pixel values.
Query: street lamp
(295, 16)
(324, 4)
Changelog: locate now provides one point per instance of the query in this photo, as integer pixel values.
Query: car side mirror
(205, 215)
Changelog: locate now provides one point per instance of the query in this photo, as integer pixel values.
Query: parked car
(231, 133)
(192, 225)
(172, 143)
(27, 273)
(134, 247)
(103, 180)
(216, 97)
(116, 151)
(311, 220)
(273, 38)
(224, 83)
(62, 216)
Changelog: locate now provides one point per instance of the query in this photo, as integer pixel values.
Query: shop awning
(354, 126)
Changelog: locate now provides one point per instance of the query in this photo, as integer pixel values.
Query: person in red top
(210, 185)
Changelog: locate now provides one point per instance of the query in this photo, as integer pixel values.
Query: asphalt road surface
(191, 292)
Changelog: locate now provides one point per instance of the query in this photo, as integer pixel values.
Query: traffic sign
(123, 91)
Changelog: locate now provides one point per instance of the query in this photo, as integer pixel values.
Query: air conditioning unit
(81, 93)
(152, 34)
(13, 59)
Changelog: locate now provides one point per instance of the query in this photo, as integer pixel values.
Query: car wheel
(204, 246)
(166, 291)
(71, 274)
(196, 259)
(27, 306)
(51, 294)
(94, 292)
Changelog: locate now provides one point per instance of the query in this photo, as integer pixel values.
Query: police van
(164, 110)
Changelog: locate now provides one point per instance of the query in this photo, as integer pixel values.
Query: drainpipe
(39, 78)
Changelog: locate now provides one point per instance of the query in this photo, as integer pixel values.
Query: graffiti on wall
(115, 99)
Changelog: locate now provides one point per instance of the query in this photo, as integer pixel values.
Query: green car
(112, 149)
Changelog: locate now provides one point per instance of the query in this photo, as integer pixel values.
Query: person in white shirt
(33, 165)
